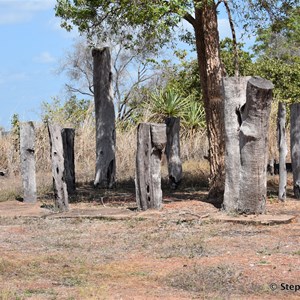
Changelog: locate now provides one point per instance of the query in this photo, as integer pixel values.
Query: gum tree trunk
(282, 148)
(173, 151)
(151, 140)
(207, 44)
(58, 168)
(234, 90)
(295, 146)
(27, 150)
(254, 146)
(105, 119)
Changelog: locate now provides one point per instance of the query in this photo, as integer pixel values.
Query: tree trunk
(173, 151)
(295, 146)
(254, 146)
(105, 119)
(282, 148)
(234, 90)
(68, 136)
(207, 44)
(27, 150)
(151, 140)
(58, 168)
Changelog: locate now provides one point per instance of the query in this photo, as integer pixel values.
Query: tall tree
(156, 21)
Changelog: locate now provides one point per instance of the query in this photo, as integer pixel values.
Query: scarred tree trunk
(282, 147)
(207, 44)
(254, 146)
(105, 119)
(234, 90)
(295, 146)
(151, 140)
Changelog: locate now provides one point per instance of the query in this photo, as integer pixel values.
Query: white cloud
(44, 58)
(19, 11)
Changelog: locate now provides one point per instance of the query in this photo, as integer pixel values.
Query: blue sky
(32, 45)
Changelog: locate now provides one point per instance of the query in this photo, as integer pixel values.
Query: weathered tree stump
(151, 140)
(105, 119)
(27, 150)
(234, 91)
(58, 168)
(173, 151)
(282, 148)
(68, 136)
(254, 146)
(295, 146)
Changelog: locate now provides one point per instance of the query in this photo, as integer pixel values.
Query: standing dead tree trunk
(68, 136)
(295, 146)
(105, 119)
(27, 150)
(282, 148)
(151, 140)
(234, 90)
(173, 151)
(254, 146)
(58, 168)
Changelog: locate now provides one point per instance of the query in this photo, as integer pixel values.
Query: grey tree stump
(27, 150)
(58, 168)
(282, 148)
(254, 146)
(151, 140)
(234, 91)
(68, 137)
(173, 151)
(105, 119)
(295, 146)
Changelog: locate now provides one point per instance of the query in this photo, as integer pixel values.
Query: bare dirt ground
(104, 249)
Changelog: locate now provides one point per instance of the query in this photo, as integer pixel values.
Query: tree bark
(254, 146)
(27, 150)
(234, 91)
(68, 136)
(151, 140)
(58, 168)
(173, 151)
(282, 148)
(105, 119)
(207, 45)
(295, 146)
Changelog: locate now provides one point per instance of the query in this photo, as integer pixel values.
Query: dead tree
(151, 140)
(27, 150)
(282, 148)
(247, 110)
(253, 138)
(68, 136)
(295, 146)
(173, 151)
(105, 119)
(234, 91)
(58, 168)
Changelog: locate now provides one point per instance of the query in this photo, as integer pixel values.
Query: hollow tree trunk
(105, 119)
(282, 148)
(254, 146)
(207, 45)
(173, 151)
(58, 168)
(295, 146)
(151, 140)
(27, 150)
(234, 91)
